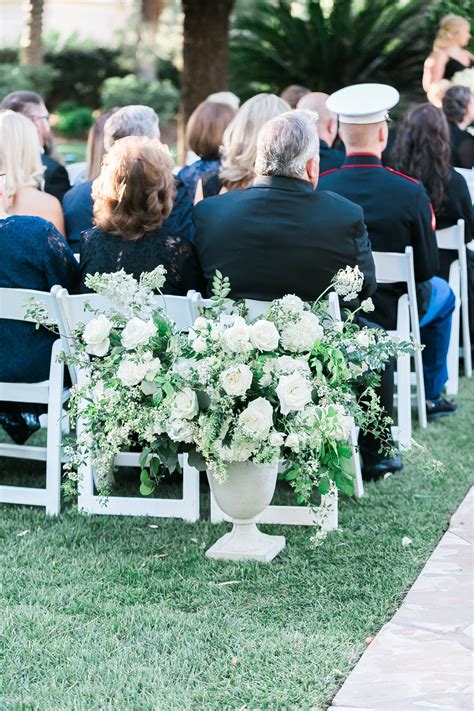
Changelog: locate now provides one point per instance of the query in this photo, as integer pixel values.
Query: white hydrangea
(293, 303)
(300, 337)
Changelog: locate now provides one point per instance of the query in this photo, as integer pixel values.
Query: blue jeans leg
(435, 331)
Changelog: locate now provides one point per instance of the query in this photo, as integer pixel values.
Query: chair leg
(452, 384)
(53, 461)
(466, 336)
(358, 482)
(190, 491)
(404, 401)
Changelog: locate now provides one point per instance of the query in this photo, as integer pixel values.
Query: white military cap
(363, 103)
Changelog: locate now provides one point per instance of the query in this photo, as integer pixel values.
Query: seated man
(397, 213)
(31, 105)
(329, 157)
(78, 205)
(280, 236)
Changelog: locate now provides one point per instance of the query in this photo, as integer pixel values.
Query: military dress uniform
(398, 213)
(329, 157)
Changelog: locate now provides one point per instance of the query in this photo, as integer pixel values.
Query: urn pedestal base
(246, 542)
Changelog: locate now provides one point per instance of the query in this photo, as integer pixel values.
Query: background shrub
(74, 121)
(80, 72)
(26, 78)
(162, 96)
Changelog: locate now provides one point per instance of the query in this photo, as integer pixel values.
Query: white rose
(264, 335)
(137, 333)
(236, 380)
(292, 303)
(292, 442)
(96, 335)
(185, 405)
(367, 305)
(257, 418)
(180, 431)
(199, 345)
(276, 439)
(363, 339)
(236, 338)
(131, 373)
(294, 392)
(200, 323)
(153, 366)
(149, 387)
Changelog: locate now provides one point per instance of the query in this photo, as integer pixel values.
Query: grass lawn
(110, 613)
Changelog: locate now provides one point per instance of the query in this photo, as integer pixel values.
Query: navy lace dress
(102, 252)
(191, 174)
(34, 256)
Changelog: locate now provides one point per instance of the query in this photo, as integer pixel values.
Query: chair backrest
(15, 302)
(334, 307)
(396, 267)
(452, 237)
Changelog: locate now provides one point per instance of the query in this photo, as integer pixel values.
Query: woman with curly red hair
(133, 196)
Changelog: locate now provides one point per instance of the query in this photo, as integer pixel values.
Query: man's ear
(312, 171)
(383, 135)
(331, 128)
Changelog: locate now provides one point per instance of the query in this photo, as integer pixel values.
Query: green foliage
(74, 121)
(162, 96)
(370, 40)
(26, 78)
(80, 73)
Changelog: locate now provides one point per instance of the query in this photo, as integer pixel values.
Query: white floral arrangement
(287, 386)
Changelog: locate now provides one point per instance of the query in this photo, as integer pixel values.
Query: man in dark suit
(78, 206)
(280, 236)
(31, 105)
(329, 157)
(398, 214)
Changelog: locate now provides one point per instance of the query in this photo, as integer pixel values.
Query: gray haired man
(134, 120)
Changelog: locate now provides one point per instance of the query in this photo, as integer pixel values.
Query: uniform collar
(281, 183)
(362, 160)
(323, 144)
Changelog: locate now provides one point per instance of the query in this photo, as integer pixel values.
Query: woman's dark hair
(422, 150)
(455, 103)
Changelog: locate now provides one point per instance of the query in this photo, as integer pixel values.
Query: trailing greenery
(354, 41)
(162, 96)
(118, 612)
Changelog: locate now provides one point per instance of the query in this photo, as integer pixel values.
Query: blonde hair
(239, 143)
(135, 190)
(449, 26)
(20, 153)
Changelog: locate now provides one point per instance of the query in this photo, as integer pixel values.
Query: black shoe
(386, 465)
(440, 408)
(20, 426)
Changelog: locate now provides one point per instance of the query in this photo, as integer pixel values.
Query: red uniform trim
(326, 172)
(408, 177)
(374, 155)
(362, 165)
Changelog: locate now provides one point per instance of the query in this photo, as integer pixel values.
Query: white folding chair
(51, 392)
(468, 176)
(392, 268)
(71, 311)
(452, 238)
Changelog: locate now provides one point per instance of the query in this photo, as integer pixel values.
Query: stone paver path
(422, 659)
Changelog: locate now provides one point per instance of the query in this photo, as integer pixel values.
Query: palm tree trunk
(31, 42)
(149, 16)
(205, 53)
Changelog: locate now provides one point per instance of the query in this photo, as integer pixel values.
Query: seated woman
(20, 160)
(458, 107)
(133, 196)
(239, 146)
(34, 256)
(450, 54)
(422, 150)
(204, 137)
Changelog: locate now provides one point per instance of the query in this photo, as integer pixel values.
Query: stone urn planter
(247, 492)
